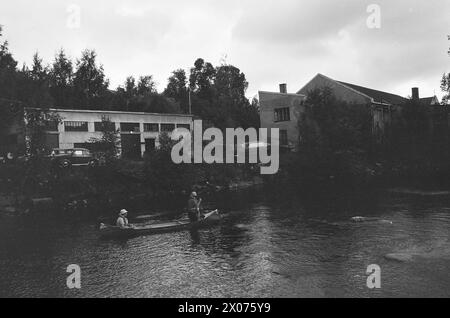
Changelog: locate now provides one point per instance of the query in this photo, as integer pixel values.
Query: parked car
(65, 158)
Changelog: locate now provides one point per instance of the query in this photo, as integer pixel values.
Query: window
(282, 114)
(129, 127)
(75, 126)
(151, 127)
(283, 138)
(104, 126)
(167, 127)
(186, 126)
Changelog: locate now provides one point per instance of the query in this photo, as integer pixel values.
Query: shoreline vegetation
(337, 147)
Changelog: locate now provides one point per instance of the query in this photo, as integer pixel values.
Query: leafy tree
(37, 92)
(334, 138)
(143, 97)
(90, 83)
(8, 73)
(445, 87)
(177, 89)
(109, 142)
(166, 177)
(218, 94)
(6, 59)
(231, 82)
(445, 84)
(146, 86)
(201, 80)
(61, 80)
(37, 122)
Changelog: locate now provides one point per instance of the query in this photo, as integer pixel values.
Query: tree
(231, 82)
(35, 84)
(165, 177)
(445, 83)
(38, 73)
(445, 87)
(218, 95)
(37, 122)
(108, 144)
(177, 89)
(61, 80)
(90, 83)
(6, 59)
(146, 86)
(334, 138)
(201, 80)
(8, 73)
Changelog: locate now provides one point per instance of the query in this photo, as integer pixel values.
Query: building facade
(139, 132)
(282, 110)
(385, 106)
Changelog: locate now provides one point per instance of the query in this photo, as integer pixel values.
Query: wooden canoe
(155, 228)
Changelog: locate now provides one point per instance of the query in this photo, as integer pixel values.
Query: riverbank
(103, 190)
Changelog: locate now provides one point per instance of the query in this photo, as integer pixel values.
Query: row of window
(124, 127)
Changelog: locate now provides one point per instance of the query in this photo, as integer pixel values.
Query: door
(131, 146)
(51, 141)
(150, 145)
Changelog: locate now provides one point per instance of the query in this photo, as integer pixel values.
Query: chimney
(415, 93)
(283, 88)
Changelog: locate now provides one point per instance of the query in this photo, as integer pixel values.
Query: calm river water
(264, 247)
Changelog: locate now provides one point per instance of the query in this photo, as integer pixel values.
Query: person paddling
(122, 220)
(194, 207)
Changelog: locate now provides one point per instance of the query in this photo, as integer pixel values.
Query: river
(265, 246)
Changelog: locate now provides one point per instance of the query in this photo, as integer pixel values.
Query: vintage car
(65, 158)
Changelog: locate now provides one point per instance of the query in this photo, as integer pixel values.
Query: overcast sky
(272, 42)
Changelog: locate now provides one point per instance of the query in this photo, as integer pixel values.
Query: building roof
(110, 112)
(433, 100)
(281, 94)
(377, 96)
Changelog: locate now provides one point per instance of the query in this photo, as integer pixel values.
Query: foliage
(217, 95)
(334, 140)
(90, 83)
(61, 80)
(163, 175)
(445, 87)
(177, 89)
(37, 122)
(109, 142)
(332, 125)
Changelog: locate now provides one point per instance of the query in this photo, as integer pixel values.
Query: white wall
(67, 139)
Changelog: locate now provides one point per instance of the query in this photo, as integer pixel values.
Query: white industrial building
(139, 132)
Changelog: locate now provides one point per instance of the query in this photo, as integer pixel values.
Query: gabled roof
(377, 96)
(433, 100)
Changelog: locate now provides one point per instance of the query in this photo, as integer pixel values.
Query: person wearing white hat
(122, 220)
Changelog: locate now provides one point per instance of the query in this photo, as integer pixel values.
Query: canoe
(155, 228)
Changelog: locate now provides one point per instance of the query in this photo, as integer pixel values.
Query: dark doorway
(131, 146)
(51, 141)
(150, 145)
